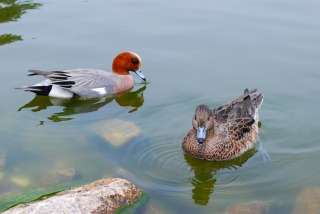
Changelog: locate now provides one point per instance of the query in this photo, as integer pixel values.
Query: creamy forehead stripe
(136, 56)
(101, 91)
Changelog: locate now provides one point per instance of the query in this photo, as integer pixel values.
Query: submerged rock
(308, 201)
(121, 173)
(117, 132)
(102, 196)
(2, 160)
(1, 175)
(58, 175)
(153, 208)
(20, 181)
(253, 207)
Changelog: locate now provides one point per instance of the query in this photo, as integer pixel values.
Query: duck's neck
(118, 68)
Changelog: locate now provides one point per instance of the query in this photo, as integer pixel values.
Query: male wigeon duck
(89, 83)
(225, 132)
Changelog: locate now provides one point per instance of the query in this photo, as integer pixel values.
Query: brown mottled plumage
(225, 132)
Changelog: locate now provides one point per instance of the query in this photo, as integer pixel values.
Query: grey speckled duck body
(225, 132)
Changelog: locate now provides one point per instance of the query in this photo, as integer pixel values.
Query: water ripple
(159, 166)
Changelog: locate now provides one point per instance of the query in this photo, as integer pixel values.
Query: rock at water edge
(103, 196)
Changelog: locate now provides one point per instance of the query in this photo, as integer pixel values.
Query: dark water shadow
(204, 171)
(132, 99)
(10, 11)
(9, 38)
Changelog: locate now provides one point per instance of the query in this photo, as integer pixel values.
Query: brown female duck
(225, 132)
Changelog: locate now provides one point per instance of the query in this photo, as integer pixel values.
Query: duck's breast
(123, 83)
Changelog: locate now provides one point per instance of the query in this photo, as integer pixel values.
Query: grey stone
(103, 196)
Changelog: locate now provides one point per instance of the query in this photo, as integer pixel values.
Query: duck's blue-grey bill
(201, 134)
(140, 74)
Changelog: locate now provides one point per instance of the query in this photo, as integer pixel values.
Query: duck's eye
(195, 117)
(134, 61)
(208, 118)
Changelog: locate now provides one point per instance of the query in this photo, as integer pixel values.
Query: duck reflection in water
(132, 99)
(204, 171)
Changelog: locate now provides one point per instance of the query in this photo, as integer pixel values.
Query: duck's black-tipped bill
(140, 74)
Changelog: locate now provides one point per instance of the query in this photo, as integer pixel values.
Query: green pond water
(193, 52)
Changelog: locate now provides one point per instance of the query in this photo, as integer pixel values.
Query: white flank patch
(57, 91)
(101, 91)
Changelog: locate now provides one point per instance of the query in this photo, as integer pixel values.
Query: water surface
(193, 52)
